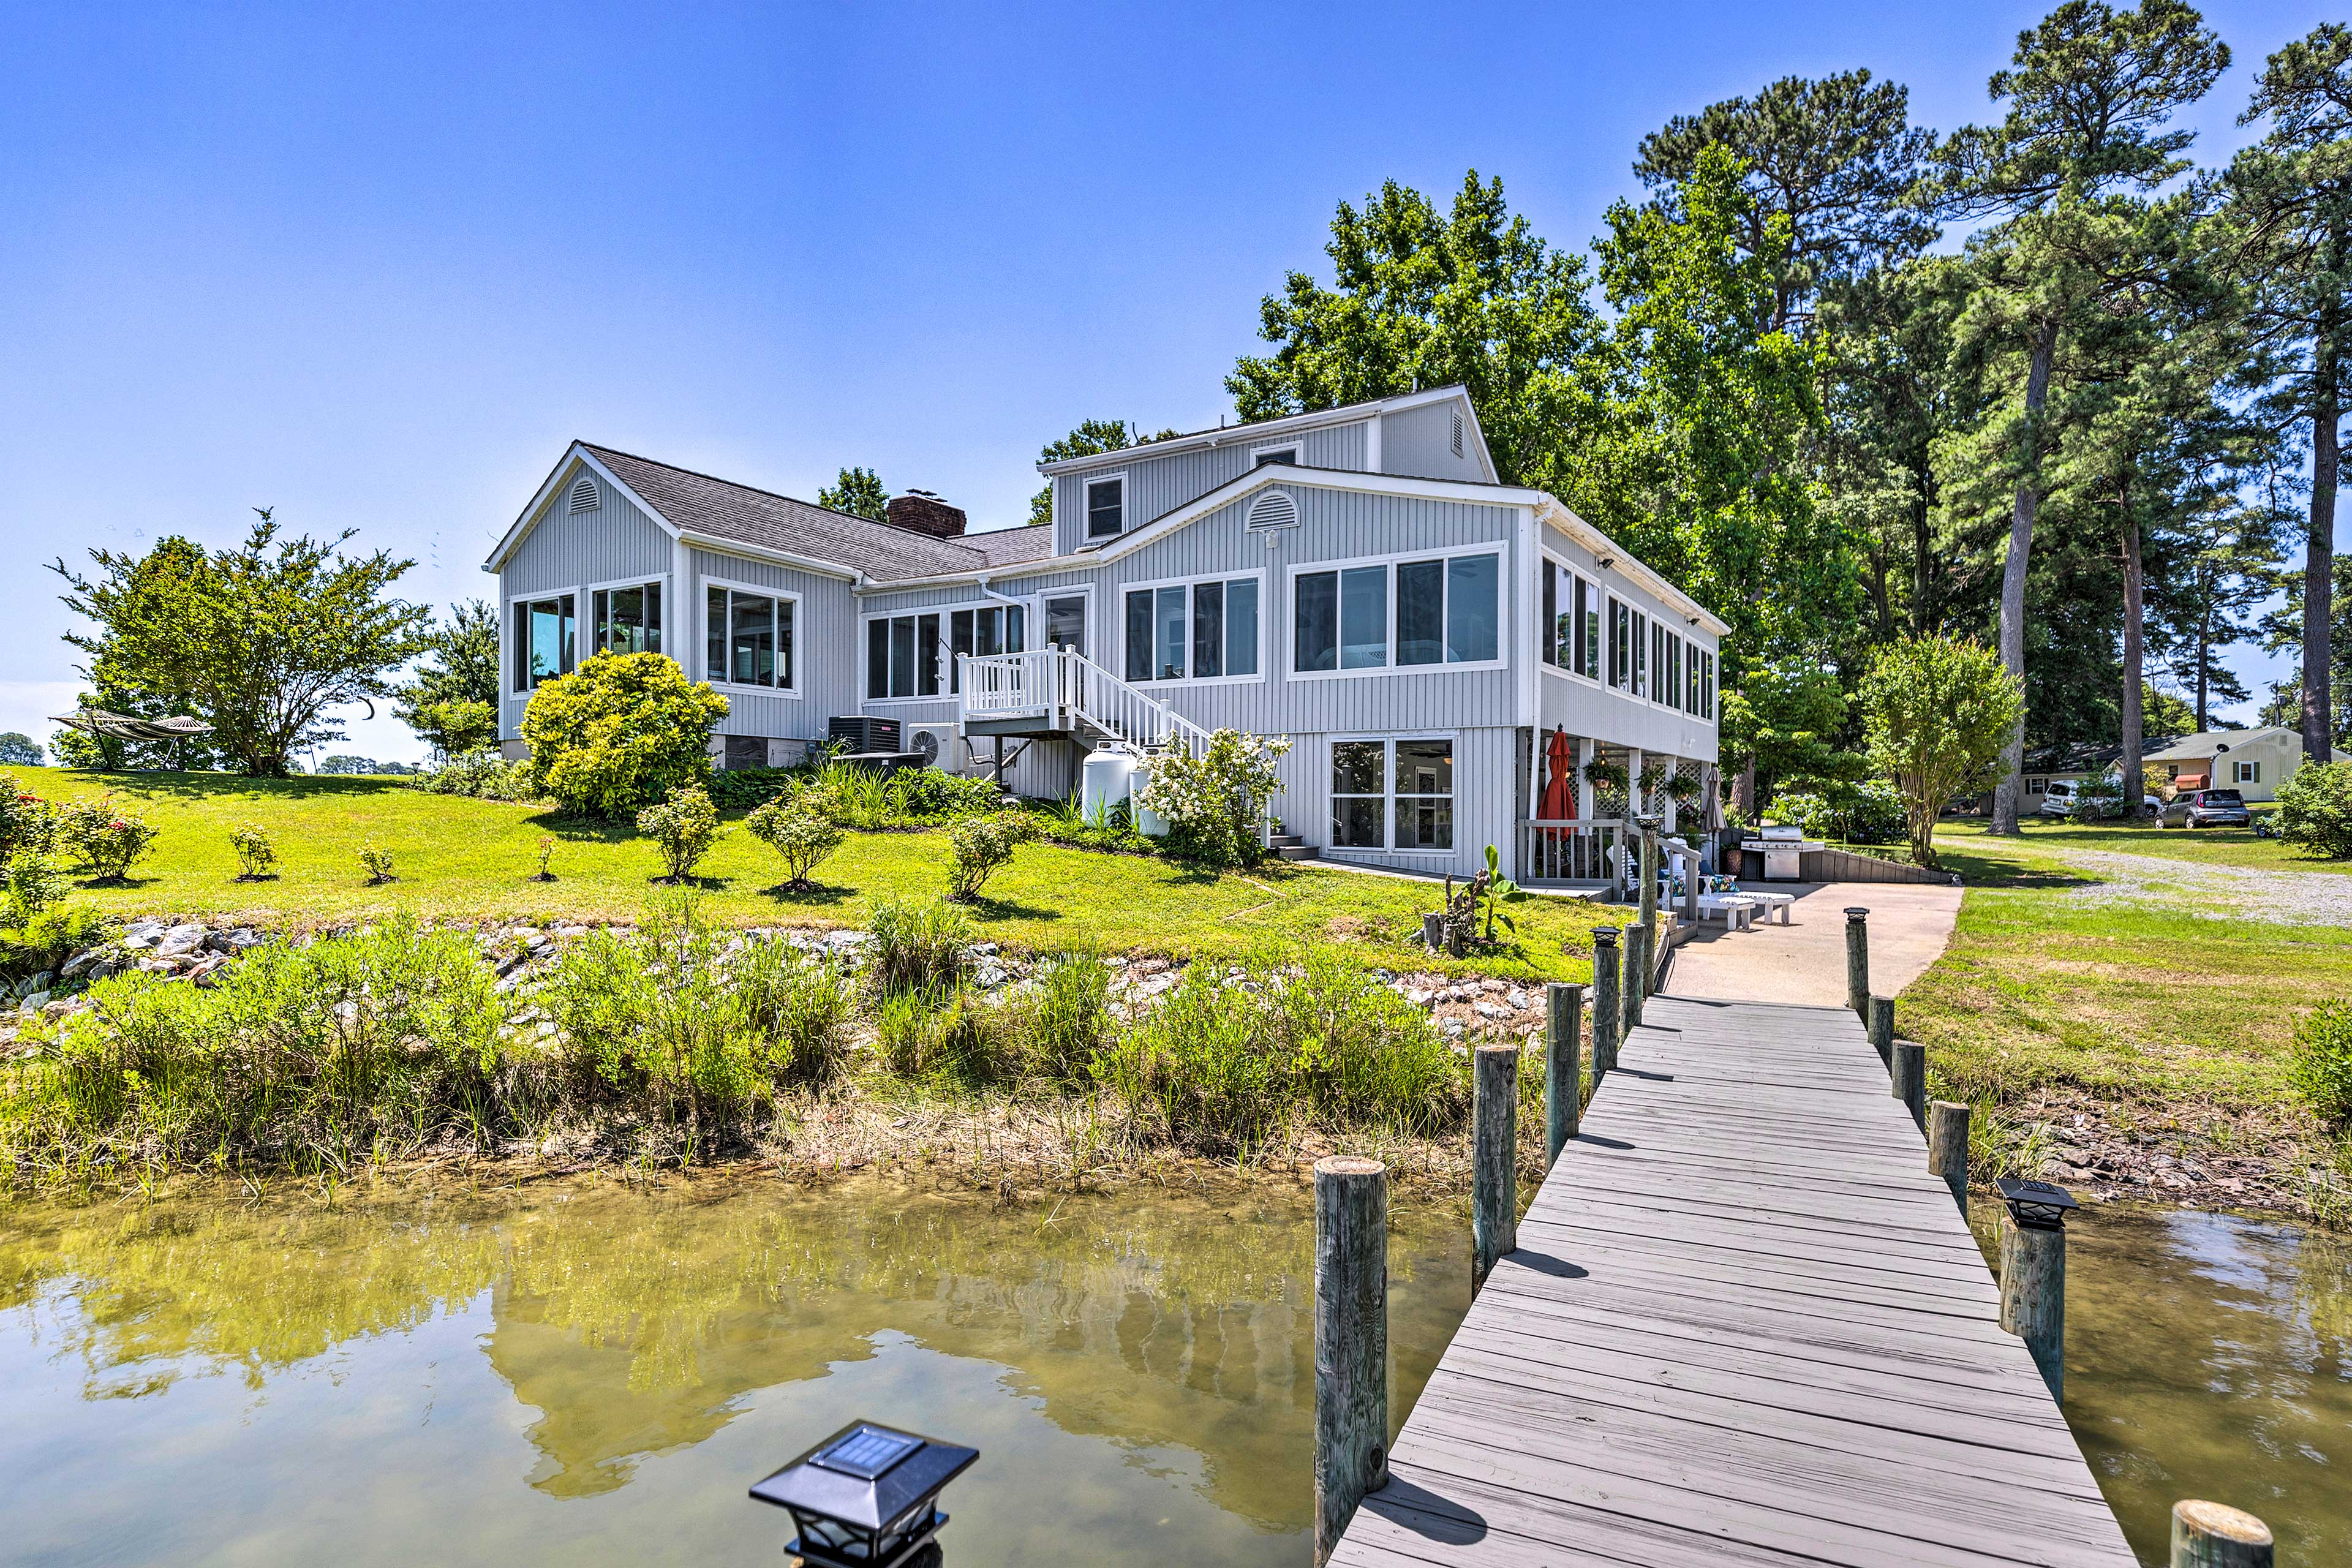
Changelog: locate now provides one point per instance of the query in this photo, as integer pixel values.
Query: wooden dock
(1744, 1325)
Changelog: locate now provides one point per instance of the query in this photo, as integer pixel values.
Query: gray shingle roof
(700, 504)
(1014, 546)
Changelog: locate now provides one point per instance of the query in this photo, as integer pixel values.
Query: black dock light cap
(864, 1497)
(2036, 1206)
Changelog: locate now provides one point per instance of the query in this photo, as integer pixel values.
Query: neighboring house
(2254, 762)
(2075, 764)
(1355, 579)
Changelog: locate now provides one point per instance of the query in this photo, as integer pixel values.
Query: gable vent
(1274, 509)
(583, 494)
(1457, 435)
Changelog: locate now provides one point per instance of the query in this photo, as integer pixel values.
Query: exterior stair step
(1286, 840)
(1297, 851)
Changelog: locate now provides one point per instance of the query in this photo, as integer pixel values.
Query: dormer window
(1106, 506)
(1264, 455)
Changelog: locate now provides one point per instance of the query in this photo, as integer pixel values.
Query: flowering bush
(982, 846)
(1214, 802)
(27, 822)
(684, 826)
(110, 840)
(797, 828)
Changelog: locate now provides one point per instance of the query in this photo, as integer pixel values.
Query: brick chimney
(925, 514)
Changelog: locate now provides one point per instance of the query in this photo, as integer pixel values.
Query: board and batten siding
(565, 553)
(1487, 782)
(1591, 710)
(1159, 485)
(1418, 443)
(824, 648)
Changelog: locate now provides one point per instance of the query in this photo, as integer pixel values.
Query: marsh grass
(919, 945)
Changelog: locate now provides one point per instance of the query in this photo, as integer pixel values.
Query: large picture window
(546, 639)
(1400, 613)
(748, 639)
(626, 620)
(997, 628)
(1392, 794)
(1193, 631)
(903, 654)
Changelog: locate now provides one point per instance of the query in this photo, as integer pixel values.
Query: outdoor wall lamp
(2035, 1206)
(1607, 562)
(865, 1497)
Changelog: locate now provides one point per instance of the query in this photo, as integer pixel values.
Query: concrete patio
(1803, 963)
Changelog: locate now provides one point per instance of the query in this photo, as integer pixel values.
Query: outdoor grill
(1780, 847)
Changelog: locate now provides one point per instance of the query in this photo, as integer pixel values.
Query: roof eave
(1208, 440)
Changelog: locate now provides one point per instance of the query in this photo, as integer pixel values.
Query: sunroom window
(1392, 794)
(546, 635)
(627, 620)
(748, 639)
(1193, 631)
(999, 629)
(1408, 613)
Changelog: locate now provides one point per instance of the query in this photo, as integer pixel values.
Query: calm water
(592, 1374)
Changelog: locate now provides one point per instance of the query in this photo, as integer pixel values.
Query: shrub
(377, 863)
(740, 789)
(804, 836)
(2321, 1065)
(918, 946)
(1229, 1056)
(2314, 809)
(1870, 811)
(683, 827)
(256, 854)
(35, 883)
(701, 1025)
(1214, 802)
(485, 775)
(26, 821)
(546, 853)
(982, 846)
(622, 731)
(110, 840)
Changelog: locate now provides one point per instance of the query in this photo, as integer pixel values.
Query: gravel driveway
(2215, 892)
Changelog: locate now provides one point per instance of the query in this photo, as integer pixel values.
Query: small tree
(622, 730)
(982, 846)
(452, 698)
(257, 856)
(1214, 802)
(377, 863)
(1939, 712)
(683, 827)
(800, 830)
(456, 728)
(2315, 809)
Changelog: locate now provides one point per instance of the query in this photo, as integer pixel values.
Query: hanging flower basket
(1683, 788)
(1608, 776)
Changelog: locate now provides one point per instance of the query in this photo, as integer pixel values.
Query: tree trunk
(2007, 793)
(1746, 793)
(2319, 550)
(2135, 790)
(2204, 661)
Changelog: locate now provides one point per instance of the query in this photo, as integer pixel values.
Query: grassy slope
(2128, 1001)
(467, 860)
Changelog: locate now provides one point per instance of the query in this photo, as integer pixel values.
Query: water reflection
(595, 1373)
(2207, 1356)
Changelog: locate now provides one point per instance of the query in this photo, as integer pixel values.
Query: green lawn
(2140, 1000)
(469, 859)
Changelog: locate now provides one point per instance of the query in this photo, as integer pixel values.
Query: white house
(2254, 762)
(1433, 642)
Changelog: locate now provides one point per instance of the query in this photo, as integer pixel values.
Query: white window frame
(1502, 659)
(1296, 449)
(702, 643)
(2037, 786)
(2246, 770)
(1187, 582)
(1387, 791)
(588, 616)
(1087, 535)
(1600, 615)
(1036, 615)
(507, 632)
(1031, 607)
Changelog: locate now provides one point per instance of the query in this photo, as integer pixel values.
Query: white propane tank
(1103, 782)
(1151, 824)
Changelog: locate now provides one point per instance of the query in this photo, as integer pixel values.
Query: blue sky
(373, 266)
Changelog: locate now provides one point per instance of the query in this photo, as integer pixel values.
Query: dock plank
(1743, 1325)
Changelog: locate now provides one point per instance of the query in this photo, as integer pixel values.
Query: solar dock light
(2033, 1273)
(865, 1497)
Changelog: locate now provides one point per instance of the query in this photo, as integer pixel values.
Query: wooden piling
(1635, 988)
(1563, 1065)
(1857, 961)
(1351, 1341)
(1882, 1031)
(1432, 932)
(1605, 1004)
(2214, 1535)
(1909, 1080)
(2033, 1295)
(1494, 1158)
(1947, 1148)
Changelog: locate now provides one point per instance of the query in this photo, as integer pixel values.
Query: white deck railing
(1061, 688)
(1573, 849)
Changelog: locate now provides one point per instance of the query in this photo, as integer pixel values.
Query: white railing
(1573, 849)
(1062, 687)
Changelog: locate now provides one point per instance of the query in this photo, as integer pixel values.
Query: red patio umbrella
(1559, 785)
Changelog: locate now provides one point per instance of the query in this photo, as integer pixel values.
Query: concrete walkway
(1802, 964)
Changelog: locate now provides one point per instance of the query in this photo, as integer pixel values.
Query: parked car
(2067, 799)
(2206, 808)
